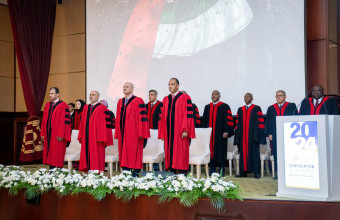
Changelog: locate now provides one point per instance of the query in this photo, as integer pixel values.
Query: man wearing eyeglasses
(280, 108)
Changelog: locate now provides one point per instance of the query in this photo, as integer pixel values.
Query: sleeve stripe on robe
(144, 119)
(189, 101)
(67, 122)
(190, 116)
(143, 112)
(261, 120)
(141, 105)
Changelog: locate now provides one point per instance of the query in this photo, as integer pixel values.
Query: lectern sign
(301, 155)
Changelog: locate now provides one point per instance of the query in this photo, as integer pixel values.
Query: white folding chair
(199, 151)
(73, 150)
(111, 155)
(265, 152)
(231, 154)
(153, 151)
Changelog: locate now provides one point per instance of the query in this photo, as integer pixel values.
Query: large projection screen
(234, 46)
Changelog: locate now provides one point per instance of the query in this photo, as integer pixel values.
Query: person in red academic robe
(78, 113)
(249, 133)
(154, 109)
(132, 127)
(95, 134)
(176, 128)
(55, 130)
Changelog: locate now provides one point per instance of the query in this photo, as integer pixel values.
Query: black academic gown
(220, 119)
(154, 114)
(328, 106)
(270, 127)
(249, 133)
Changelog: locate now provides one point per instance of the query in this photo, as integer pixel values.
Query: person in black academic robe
(71, 107)
(249, 133)
(217, 115)
(281, 108)
(319, 104)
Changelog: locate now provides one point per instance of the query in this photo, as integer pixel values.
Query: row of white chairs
(153, 153)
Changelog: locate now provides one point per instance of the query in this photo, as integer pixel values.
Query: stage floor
(264, 188)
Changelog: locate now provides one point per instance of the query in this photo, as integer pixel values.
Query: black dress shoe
(275, 178)
(257, 176)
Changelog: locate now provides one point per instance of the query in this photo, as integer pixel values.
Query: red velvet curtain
(32, 27)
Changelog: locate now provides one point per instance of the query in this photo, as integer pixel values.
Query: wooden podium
(308, 149)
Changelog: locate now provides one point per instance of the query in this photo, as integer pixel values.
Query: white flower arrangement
(186, 188)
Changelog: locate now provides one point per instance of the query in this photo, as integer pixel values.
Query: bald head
(128, 89)
(94, 96)
(215, 96)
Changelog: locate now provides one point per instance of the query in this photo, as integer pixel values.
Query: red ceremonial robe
(94, 134)
(132, 127)
(177, 117)
(56, 123)
(77, 119)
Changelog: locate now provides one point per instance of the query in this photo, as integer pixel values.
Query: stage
(259, 202)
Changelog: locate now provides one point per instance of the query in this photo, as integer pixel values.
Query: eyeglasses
(279, 96)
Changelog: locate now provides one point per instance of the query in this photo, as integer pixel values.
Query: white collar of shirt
(56, 101)
(249, 105)
(129, 97)
(216, 102)
(71, 113)
(319, 100)
(94, 103)
(153, 103)
(175, 94)
(280, 105)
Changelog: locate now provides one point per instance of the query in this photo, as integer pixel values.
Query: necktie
(317, 103)
(151, 106)
(247, 107)
(126, 101)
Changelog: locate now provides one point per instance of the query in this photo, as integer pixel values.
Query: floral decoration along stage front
(186, 188)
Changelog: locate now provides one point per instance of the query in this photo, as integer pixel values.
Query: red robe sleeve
(103, 133)
(143, 122)
(188, 124)
(64, 122)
